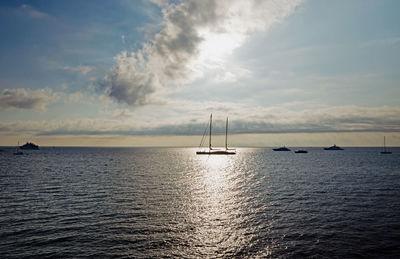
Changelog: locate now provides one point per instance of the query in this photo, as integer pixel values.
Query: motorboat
(334, 147)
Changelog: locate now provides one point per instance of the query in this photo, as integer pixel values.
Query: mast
(384, 143)
(226, 135)
(210, 131)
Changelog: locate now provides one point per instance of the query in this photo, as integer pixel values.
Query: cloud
(27, 99)
(243, 120)
(195, 37)
(77, 97)
(83, 70)
(32, 12)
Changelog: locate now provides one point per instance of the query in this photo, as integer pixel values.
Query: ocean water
(169, 202)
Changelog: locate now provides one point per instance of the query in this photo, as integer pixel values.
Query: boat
(301, 151)
(213, 151)
(29, 145)
(334, 147)
(385, 151)
(17, 151)
(281, 149)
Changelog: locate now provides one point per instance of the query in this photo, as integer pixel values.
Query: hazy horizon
(365, 139)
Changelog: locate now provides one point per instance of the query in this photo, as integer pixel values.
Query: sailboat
(385, 151)
(18, 151)
(213, 151)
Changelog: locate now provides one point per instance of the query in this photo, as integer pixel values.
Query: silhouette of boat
(211, 150)
(281, 149)
(334, 147)
(301, 151)
(385, 151)
(29, 145)
(17, 151)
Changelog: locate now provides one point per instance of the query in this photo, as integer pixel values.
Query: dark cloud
(26, 99)
(164, 60)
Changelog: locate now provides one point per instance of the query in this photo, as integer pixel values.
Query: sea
(106, 202)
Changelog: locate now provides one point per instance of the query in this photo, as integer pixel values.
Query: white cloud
(122, 113)
(83, 70)
(76, 97)
(27, 99)
(196, 36)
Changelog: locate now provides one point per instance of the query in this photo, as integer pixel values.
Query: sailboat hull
(216, 152)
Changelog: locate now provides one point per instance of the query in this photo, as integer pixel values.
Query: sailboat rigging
(385, 151)
(17, 150)
(211, 150)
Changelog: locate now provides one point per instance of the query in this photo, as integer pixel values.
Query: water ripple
(149, 202)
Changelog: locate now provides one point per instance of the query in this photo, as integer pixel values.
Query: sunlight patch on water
(218, 214)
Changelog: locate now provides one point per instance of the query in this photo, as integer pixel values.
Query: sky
(150, 72)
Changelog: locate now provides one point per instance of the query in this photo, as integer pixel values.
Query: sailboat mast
(210, 131)
(226, 134)
(384, 143)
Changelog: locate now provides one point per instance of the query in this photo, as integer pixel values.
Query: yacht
(29, 145)
(281, 149)
(334, 147)
(213, 151)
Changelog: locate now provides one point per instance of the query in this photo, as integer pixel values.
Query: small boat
(30, 145)
(17, 151)
(281, 149)
(385, 151)
(211, 150)
(301, 151)
(334, 147)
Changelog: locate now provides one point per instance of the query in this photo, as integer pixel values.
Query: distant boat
(385, 151)
(301, 151)
(17, 151)
(211, 150)
(281, 149)
(30, 145)
(334, 147)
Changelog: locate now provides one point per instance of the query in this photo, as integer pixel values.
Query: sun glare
(216, 47)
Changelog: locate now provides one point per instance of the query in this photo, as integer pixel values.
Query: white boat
(213, 151)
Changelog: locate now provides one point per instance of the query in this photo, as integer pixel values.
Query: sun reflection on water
(217, 214)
